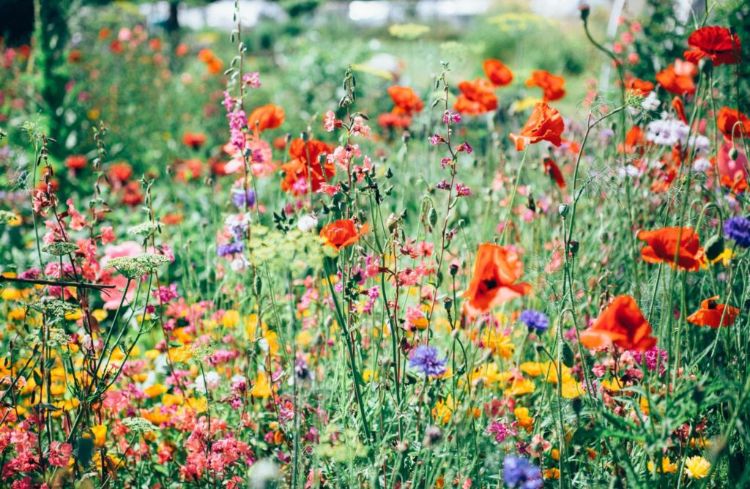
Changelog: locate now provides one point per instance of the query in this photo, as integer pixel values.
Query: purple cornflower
(738, 229)
(242, 198)
(535, 320)
(425, 359)
(230, 248)
(519, 472)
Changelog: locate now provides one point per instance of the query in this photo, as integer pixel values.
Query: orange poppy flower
(732, 123)
(551, 169)
(713, 314)
(635, 141)
(342, 233)
(544, 124)
(499, 74)
(394, 120)
(194, 139)
(638, 86)
(677, 78)
(477, 97)
(265, 117)
(406, 99)
(621, 324)
(304, 169)
(716, 43)
(496, 270)
(75, 162)
(120, 172)
(662, 244)
(553, 86)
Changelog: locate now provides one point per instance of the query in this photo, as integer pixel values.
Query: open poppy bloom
(266, 117)
(621, 324)
(405, 99)
(499, 74)
(553, 86)
(677, 78)
(638, 86)
(662, 247)
(733, 124)
(716, 43)
(304, 169)
(342, 233)
(496, 270)
(477, 97)
(544, 124)
(551, 169)
(713, 314)
(194, 139)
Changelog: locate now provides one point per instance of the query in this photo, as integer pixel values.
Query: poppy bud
(714, 246)
(585, 10)
(447, 303)
(563, 210)
(733, 153)
(432, 217)
(257, 284)
(453, 269)
(573, 247)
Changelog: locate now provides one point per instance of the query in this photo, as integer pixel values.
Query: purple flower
(462, 190)
(535, 320)
(230, 248)
(436, 139)
(738, 229)
(500, 431)
(425, 359)
(443, 185)
(464, 147)
(519, 472)
(242, 199)
(451, 117)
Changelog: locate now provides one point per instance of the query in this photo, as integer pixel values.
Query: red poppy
(265, 117)
(342, 233)
(677, 78)
(713, 314)
(496, 272)
(544, 124)
(477, 97)
(679, 107)
(551, 169)
(132, 195)
(621, 324)
(716, 43)
(499, 74)
(194, 139)
(732, 123)
(405, 99)
(75, 162)
(394, 120)
(662, 247)
(120, 172)
(635, 141)
(305, 169)
(638, 86)
(553, 86)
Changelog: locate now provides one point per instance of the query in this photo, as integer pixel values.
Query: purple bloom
(436, 139)
(462, 190)
(243, 199)
(738, 229)
(519, 472)
(425, 359)
(443, 185)
(451, 117)
(230, 248)
(500, 431)
(535, 320)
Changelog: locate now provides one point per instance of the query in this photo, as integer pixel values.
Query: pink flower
(59, 453)
(112, 297)
(329, 121)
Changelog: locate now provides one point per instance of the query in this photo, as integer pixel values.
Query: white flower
(701, 165)
(667, 132)
(208, 381)
(651, 102)
(262, 472)
(238, 264)
(307, 223)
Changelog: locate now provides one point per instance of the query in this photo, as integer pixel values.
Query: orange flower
(305, 169)
(732, 123)
(268, 116)
(499, 74)
(713, 314)
(405, 99)
(477, 97)
(621, 324)
(551, 169)
(120, 172)
(75, 162)
(677, 78)
(716, 43)
(342, 233)
(662, 247)
(638, 86)
(544, 124)
(496, 270)
(552, 85)
(194, 139)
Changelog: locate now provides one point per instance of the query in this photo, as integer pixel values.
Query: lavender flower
(229, 248)
(519, 472)
(535, 320)
(425, 359)
(242, 198)
(738, 229)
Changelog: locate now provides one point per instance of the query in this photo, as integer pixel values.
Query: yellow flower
(519, 387)
(499, 343)
(100, 435)
(99, 314)
(524, 420)
(571, 389)
(613, 385)
(155, 390)
(553, 473)
(443, 410)
(697, 467)
(667, 467)
(725, 257)
(230, 319)
(304, 338)
(10, 294)
(490, 375)
(262, 386)
(368, 375)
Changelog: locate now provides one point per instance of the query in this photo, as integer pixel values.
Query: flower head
(697, 467)
(544, 124)
(663, 245)
(553, 86)
(737, 228)
(621, 324)
(713, 314)
(499, 74)
(715, 43)
(342, 233)
(425, 359)
(496, 272)
(535, 320)
(519, 472)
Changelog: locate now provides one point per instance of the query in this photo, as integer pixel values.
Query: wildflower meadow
(499, 250)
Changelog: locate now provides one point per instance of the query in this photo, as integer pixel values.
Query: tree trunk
(173, 21)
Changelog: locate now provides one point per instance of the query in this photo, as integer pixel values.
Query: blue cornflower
(242, 199)
(518, 472)
(425, 359)
(229, 248)
(738, 229)
(536, 320)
